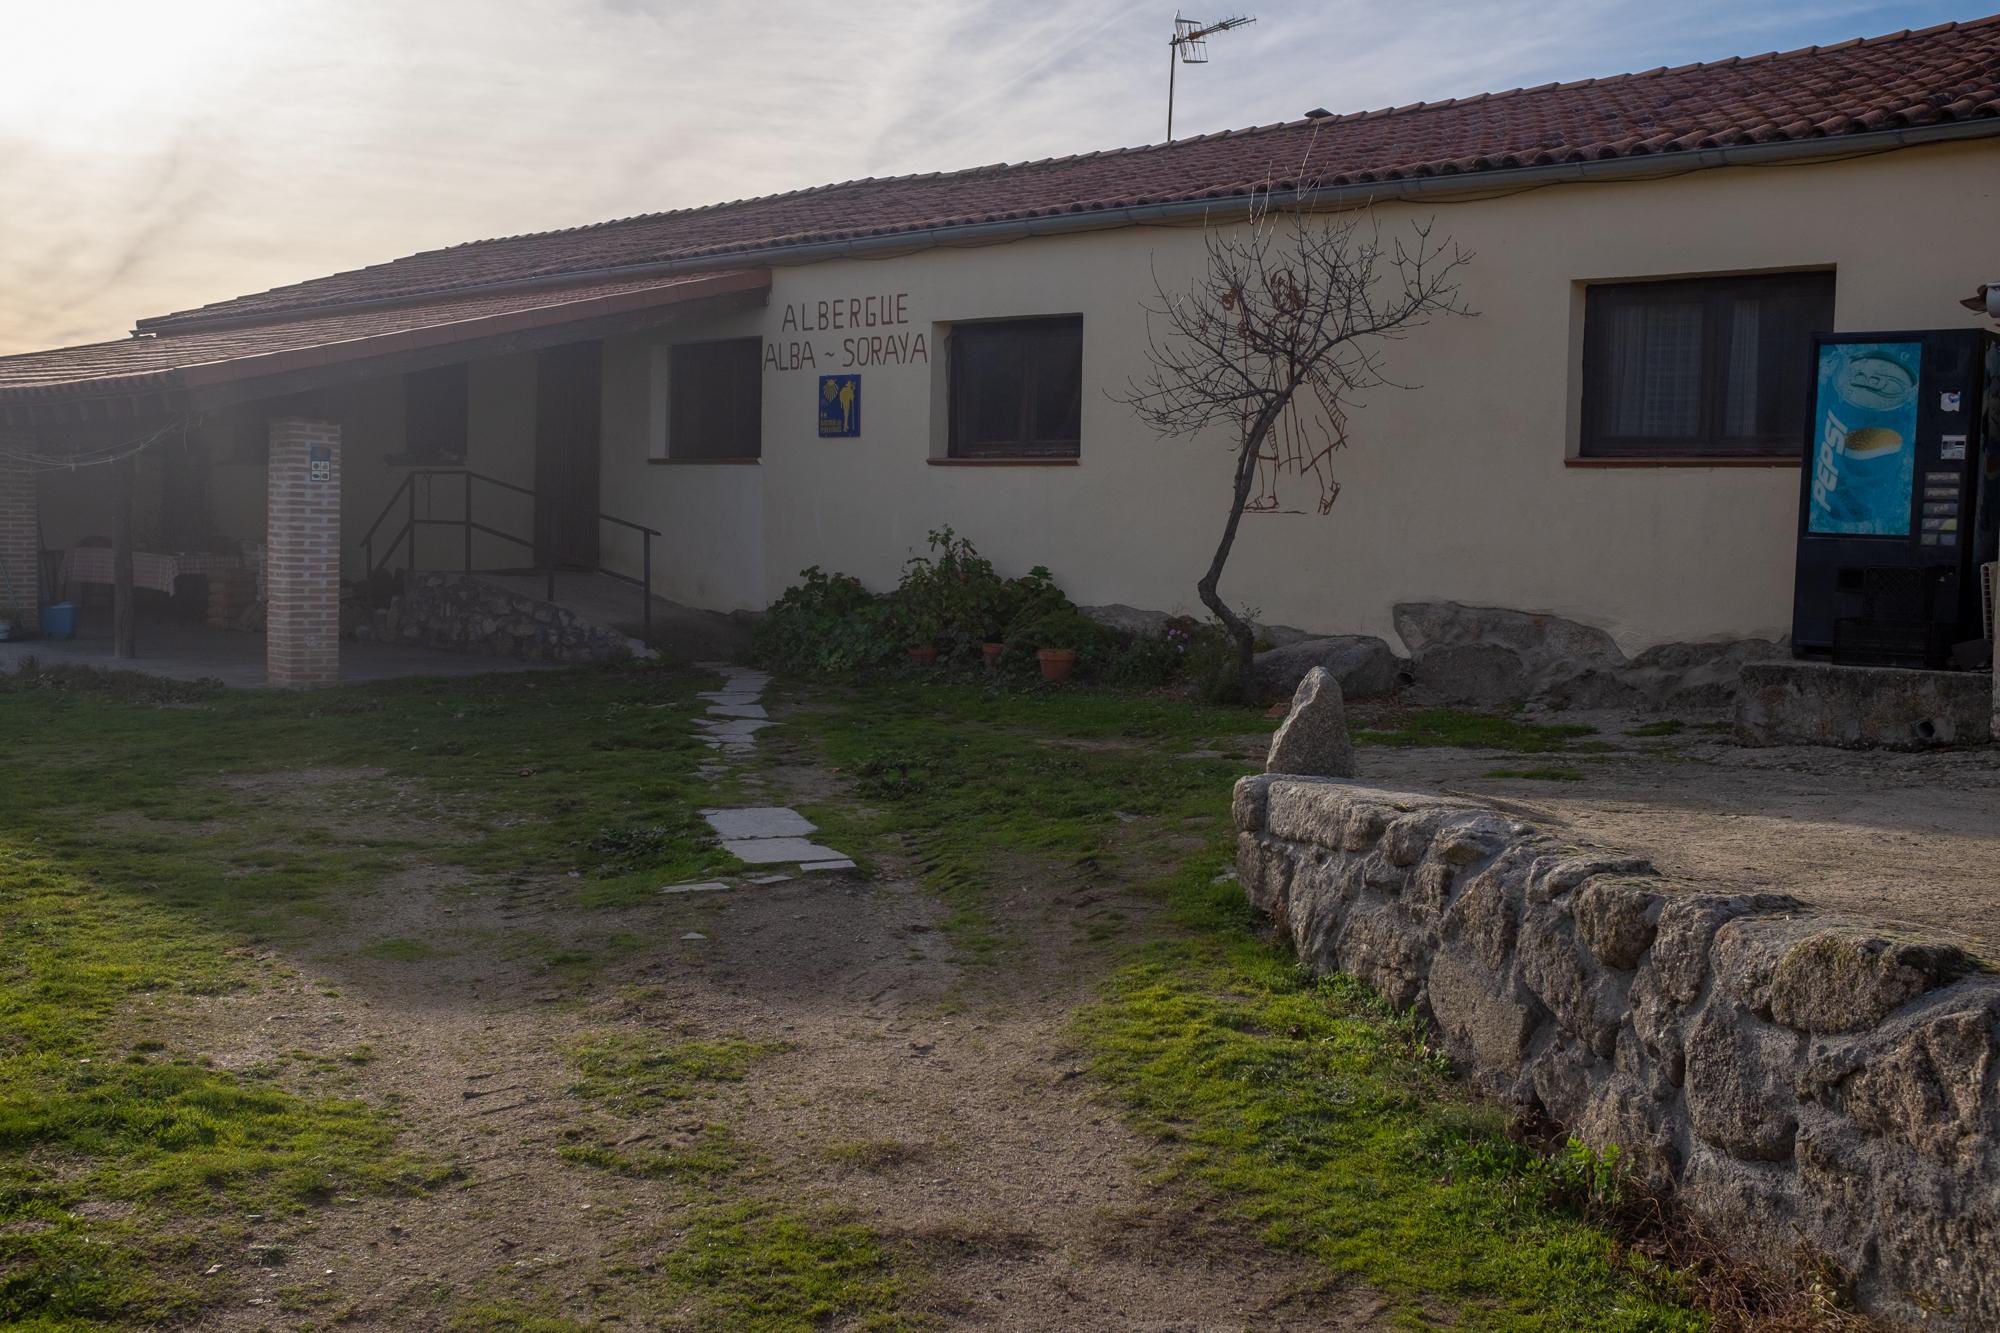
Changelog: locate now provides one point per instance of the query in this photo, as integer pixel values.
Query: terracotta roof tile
(195, 357)
(1947, 73)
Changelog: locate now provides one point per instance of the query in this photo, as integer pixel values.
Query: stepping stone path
(762, 835)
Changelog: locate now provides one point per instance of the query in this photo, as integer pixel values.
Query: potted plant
(920, 631)
(1057, 635)
(991, 650)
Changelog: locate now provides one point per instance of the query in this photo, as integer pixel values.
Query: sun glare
(71, 70)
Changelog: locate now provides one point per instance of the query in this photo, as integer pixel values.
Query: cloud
(148, 165)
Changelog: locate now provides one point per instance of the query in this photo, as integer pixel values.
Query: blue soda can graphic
(1864, 456)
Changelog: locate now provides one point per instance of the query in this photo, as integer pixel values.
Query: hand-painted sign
(1865, 459)
(839, 407)
(871, 324)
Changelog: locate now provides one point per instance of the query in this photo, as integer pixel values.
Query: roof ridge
(552, 262)
(1406, 108)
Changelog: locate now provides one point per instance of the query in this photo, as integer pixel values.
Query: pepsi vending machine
(1900, 498)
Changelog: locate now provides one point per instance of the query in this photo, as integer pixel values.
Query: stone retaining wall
(1814, 703)
(466, 613)
(1792, 1075)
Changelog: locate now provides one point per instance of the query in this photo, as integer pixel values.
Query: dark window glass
(1706, 367)
(1017, 388)
(434, 415)
(715, 401)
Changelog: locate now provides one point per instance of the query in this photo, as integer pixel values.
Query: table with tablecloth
(150, 569)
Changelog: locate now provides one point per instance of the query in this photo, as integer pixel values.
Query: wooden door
(568, 382)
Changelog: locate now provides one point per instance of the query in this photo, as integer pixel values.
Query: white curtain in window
(1740, 412)
(1656, 371)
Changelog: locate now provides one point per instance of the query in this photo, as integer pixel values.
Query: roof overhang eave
(1222, 209)
(231, 378)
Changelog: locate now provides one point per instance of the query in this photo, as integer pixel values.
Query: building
(820, 377)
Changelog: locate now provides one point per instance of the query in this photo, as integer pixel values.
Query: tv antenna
(1189, 46)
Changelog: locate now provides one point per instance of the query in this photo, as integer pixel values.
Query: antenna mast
(1189, 46)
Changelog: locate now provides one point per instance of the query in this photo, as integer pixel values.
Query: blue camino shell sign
(1864, 457)
(839, 407)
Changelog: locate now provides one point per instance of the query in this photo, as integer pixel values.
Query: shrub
(1214, 669)
(1060, 627)
(951, 599)
(825, 623)
(1142, 662)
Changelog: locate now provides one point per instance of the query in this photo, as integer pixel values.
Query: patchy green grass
(1325, 1121)
(874, 1155)
(121, 1158)
(754, 1265)
(973, 781)
(634, 1074)
(1666, 726)
(1474, 731)
(591, 771)
(159, 841)
(513, 1317)
(1306, 1107)
(714, 1153)
(1538, 774)
(399, 951)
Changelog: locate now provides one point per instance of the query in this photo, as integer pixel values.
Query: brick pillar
(302, 562)
(20, 544)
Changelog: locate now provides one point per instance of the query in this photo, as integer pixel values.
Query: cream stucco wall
(1457, 490)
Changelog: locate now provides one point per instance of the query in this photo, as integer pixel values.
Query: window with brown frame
(715, 402)
(1700, 368)
(434, 415)
(1017, 388)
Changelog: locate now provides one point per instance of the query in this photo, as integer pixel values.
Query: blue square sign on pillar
(839, 407)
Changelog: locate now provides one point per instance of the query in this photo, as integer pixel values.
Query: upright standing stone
(1313, 737)
(20, 546)
(302, 564)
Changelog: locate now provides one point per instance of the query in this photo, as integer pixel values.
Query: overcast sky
(156, 155)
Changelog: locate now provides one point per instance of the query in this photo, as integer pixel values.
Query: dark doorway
(567, 406)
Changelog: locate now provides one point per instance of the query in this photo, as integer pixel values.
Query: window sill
(1775, 460)
(703, 462)
(1003, 462)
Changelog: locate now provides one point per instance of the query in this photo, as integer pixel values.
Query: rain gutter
(1219, 209)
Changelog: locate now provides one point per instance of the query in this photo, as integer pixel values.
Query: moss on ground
(159, 841)
(1307, 1108)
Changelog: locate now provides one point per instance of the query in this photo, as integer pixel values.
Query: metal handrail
(406, 536)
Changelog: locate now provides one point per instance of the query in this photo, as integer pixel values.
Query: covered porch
(240, 501)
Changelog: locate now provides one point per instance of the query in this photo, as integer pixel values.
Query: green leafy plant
(826, 623)
(1059, 627)
(950, 599)
(1214, 668)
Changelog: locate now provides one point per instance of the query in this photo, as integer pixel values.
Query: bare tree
(1279, 335)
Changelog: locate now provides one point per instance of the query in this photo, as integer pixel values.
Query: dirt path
(1908, 841)
(940, 1105)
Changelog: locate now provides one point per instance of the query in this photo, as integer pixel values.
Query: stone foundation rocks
(466, 613)
(1792, 1075)
(1815, 703)
(1313, 736)
(1364, 666)
(1485, 655)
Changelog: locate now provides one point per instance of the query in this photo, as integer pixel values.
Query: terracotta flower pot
(991, 652)
(1057, 663)
(923, 656)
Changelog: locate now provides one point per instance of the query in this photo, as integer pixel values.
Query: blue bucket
(59, 620)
